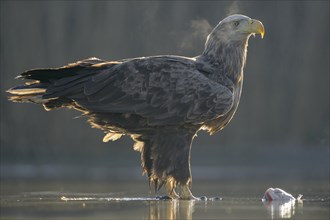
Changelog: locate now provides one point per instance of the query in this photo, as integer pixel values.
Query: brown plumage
(160, 101)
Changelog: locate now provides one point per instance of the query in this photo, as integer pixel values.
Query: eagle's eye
(236, 23)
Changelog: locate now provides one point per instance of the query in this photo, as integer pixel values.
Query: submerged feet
(184, 191)
(184, 195)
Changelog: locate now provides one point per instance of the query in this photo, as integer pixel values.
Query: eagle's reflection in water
(171, 209)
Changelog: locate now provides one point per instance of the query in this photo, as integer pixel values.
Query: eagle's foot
(186, 193)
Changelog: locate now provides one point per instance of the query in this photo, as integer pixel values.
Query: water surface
(129, 200)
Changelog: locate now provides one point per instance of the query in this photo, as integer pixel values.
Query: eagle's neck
(230, 56)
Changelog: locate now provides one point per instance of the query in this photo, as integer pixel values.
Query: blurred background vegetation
(282, 123)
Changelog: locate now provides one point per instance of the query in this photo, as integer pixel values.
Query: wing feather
(164, 90)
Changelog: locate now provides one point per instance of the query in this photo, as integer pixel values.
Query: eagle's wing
(165, 90)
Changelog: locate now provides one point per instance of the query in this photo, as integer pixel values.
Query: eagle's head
(230, 35)
(237, 28)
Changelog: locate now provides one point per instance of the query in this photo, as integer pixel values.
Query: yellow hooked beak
(255, 27)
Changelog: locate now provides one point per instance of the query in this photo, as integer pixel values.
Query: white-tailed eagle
(161, 102)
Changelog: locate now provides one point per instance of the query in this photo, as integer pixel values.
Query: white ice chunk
(277, 194)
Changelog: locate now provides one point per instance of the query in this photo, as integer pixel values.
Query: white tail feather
(28, 91)
(112, 137)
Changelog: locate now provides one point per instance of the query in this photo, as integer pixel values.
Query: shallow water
(81, 200)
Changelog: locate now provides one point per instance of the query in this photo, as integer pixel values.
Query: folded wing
(164, 90)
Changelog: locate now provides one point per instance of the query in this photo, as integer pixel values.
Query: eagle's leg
(165, 156)
(171, 190)
(186, 193)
